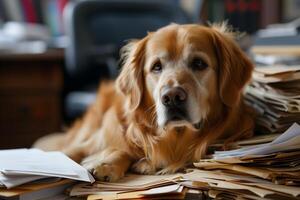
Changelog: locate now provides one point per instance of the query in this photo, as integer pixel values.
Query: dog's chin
(175, 124)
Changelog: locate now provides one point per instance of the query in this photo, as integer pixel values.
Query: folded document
(20, 166)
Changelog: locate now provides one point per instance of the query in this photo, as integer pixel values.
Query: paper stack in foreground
(269, 170)
(134, 186)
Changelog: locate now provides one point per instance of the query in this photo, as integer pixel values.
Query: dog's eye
(198, 64)
(156, 67)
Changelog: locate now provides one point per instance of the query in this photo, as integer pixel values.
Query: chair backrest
(98, 28)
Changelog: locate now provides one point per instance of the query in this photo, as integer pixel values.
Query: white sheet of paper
(36, 162)
(290, 133)
(290, 139)
(12, 181)
(33, 160)
(164, 190)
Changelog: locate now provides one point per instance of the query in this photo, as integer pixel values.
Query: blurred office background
(53, 53)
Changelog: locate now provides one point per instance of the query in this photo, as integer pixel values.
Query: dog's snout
(174, 96)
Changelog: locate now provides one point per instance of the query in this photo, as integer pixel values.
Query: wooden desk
(30, 97)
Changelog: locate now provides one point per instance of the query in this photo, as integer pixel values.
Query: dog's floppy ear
(234, 67)
(130, 80)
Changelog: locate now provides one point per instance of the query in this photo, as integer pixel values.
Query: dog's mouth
(179, 118)
(176, 114)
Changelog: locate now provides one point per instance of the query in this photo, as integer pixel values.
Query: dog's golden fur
(125, 127)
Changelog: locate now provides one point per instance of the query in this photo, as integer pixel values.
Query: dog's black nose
(173, 96)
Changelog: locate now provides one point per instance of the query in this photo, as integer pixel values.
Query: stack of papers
(134, 186)
(275, 95)
(274, 92)
(53, 189)
(276, 73)
(264, 167)
(26, 165)
(257, 171)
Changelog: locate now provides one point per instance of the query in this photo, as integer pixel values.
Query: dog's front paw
(107, 172)
(143, 166)
(171, 169)
(104, 171)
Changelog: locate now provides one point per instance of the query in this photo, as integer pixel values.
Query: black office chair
(96, 30)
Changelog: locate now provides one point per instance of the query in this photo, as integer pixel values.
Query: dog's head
(185, 73)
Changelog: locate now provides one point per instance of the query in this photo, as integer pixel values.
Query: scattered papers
(134, 186)
(269, 170)
(25, 165)
(265, 168)
(289, 140)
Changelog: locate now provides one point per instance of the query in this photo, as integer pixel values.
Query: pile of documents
(134, 186)
(44, 170)
(275, 88)
(38, 190)
(265, 167)
(267, 170)
(275, 95)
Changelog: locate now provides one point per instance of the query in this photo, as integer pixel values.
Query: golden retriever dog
(179, 90)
